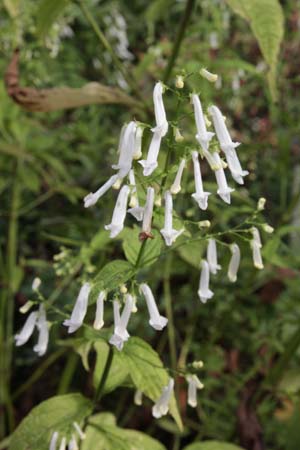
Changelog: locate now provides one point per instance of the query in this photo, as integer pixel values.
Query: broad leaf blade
(212, 445)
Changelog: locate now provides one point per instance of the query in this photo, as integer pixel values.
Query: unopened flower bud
(212, 77)
(25, 308)
(123, 289)
(178, 135)
(36, 284)
(204, 224)
(197, 364)
(179, 83)
(267, 228)
(117, 184)
(261, 204)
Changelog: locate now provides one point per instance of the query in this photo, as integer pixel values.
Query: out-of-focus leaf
(12, 7)
(48, 12)
(212, 445)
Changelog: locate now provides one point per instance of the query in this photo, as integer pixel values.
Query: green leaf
(148, 373)
(56, 414)
(192, 253)
(118, 370)
(103, 434)
(111, 277)
(266, 21)
(132, 245)
(212, 445)
(48, 12)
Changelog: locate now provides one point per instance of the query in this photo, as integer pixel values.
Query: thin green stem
(140, 255)
(67, 375)
(106, 370)
(178, 40)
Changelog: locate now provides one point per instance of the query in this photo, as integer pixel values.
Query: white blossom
(170, 235)
(256, 246)
(81, 434)
(127, 146)
(99, 322)
(193, 384)
(204, 292)
(119, 214)
(203, 136)
(200, 195)
(79, 310)
(227, 145)
(135, 209)
(151, 163)
(63, 444)
(73, 444)
(53, 441)
(137, 151)
(138, 397)
(161, 406)
(41, 347)
(214, 163)
(120, 322)
(176, 186)
(212, 256)
(148, 211)
(224, 190)
(36, 284)
(93, 197)
(27, 330)
(156, 321)
(212, 77)
(234, 262)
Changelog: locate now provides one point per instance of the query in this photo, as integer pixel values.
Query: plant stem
(67, 374)
(140, 255)
(178, 40)
(101, 385)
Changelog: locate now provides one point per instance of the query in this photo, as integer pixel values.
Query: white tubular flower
(148, 211)
(79, 310)
(159, 110)
(214, 163)
(212, 77)
(176, 187)
(156, 321)
(200, 196)
(204, 292)
(135, 209)
(234, 262)
(93, 197)
(119, 214)
(203, 136)
(120, 331)
(150, 163)
(36, 284)
(193, 384)
(53, 441)
(138, 397)
(227, 145)
(73, 444)
(81, 434)
(170, 235)
(127, 144)
(256, 246)
(99, 322)
(63, 444)
(27, 330)
(212, 258)
(137, 152)
(161, 407)
(224, 190)
(41, 347)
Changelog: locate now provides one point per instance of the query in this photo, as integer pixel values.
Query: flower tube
(148, 211)
(212, 256)
(27, 330)
(203, 136)
(193, 384)
(234, 262)
(79, 310)
(256, 246)
(156, 321)
(170, 235)
(41, 347)
(176, 187)
(161, 406)
(93, 197)
(119, 214)
(204, 292)
(200, 196)
(99, 322)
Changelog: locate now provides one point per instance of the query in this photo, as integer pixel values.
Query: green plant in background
(54, 163)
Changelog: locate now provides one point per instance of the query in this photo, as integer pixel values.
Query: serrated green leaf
(266, 21)
(212, 445)
(56, 414)
(103, 434)
(132, 245)
(118, 371)
(148, 373)
(48, 12)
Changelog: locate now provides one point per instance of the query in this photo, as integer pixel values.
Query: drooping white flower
(119, 214)
(256, 246)
(234, 262)
(138, 397)
(36, 284)
(63, 444)
(176, 187)
(214, 163)
(227, 145)
(203, 136)
(27, 330)
(137, 152)
(120, 323)
(41, 347)
(127, 146)
(212, 257)
(200, 195)
(148, 211)
(93, 197)
(73, 444)
(193, 384)
(156, 321)
(79, 310)
(81, 434)
(212, 77)
(224, 190)
(135, 209)
(161, 406)
(159, 110)
(53, 441)
(170, 235)
(151, 163)
(204, 292)
(99, 322)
